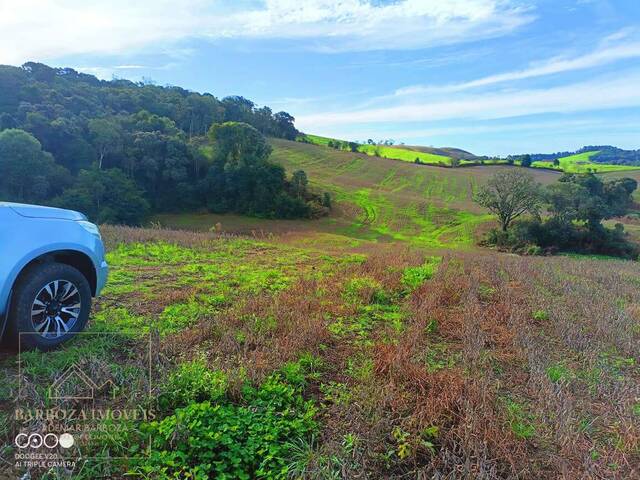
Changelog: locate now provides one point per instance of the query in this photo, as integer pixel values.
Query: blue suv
(51, 265)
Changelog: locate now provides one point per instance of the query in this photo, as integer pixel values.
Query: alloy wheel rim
(55, 309)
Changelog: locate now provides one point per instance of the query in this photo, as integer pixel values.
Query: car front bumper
(102, 274)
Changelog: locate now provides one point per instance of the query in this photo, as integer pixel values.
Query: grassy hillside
(578, 163)
(445, 151)
(392, 151)
(405, 154)
(375, 199)
(582, 163)
(439, 154)
(378, 199)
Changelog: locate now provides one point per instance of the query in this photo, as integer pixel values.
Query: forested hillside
(118, 150)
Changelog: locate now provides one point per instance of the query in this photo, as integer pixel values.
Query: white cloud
(359, 25)
(598, 94)
(43, 30)
(599, 57)
(540, 127)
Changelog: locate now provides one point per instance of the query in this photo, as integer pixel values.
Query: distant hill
(596, 159)
(597, 154)
(379, 198)
(444, 151)
(435, 156)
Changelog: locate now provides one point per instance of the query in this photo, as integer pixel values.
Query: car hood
(37, 211)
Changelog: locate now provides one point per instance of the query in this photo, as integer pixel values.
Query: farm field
(582, 163)
(446, 288)
(372, 361)
(376, 199)
(441, 157)
(393, 152)
(376, 343)
(579, 163)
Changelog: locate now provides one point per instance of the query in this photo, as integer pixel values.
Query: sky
(494, 77)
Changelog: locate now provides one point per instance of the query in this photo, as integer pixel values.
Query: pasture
(374, 361)
(375, 343)
(582, 163)
(376, 199)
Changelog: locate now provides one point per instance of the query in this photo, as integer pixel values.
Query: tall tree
(27, 173)
(106, 136)
(509, 195)
(299, 182)
(105, 196)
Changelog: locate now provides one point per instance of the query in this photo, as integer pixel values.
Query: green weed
(540, 315)
(437, 357)
(336, 393)
(253, 438)
(413, 277)
(520, 421)
(192, 382)
(558, 372)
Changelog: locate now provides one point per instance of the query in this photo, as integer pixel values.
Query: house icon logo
(74, 384)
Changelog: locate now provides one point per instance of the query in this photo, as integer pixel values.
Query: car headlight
(90, 227)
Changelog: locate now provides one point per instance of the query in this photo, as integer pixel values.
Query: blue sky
(489, 76)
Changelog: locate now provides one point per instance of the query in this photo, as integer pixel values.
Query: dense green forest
(119, 150)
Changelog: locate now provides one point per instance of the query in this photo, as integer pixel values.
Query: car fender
(5, 294)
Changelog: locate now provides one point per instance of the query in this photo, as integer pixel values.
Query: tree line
(119, 150)
(564, 216)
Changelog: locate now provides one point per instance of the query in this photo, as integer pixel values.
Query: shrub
(535, 237)
(192, 382)
(558, 372)
(252, 439)
(540, 315)
(413, 277)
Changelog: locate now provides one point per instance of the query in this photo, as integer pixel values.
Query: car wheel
(50, 303)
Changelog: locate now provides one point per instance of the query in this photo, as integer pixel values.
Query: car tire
(50, 304)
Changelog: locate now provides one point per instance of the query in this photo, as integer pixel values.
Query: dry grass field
(465, 365)
(376, 343)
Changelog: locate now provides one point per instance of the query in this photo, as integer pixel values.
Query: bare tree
(510, 194)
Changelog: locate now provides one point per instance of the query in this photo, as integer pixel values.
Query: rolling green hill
(445, 151)
(582, 163)
(443, 157)
(375, 199)
(410, 154)
(406, 155)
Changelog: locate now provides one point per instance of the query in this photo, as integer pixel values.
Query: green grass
(276, 359)
(376, 199)
(394, 152)
(578, 163)
(399, 153)
(410, 153)
(582, 163)
(316, 139)
(380, 199)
